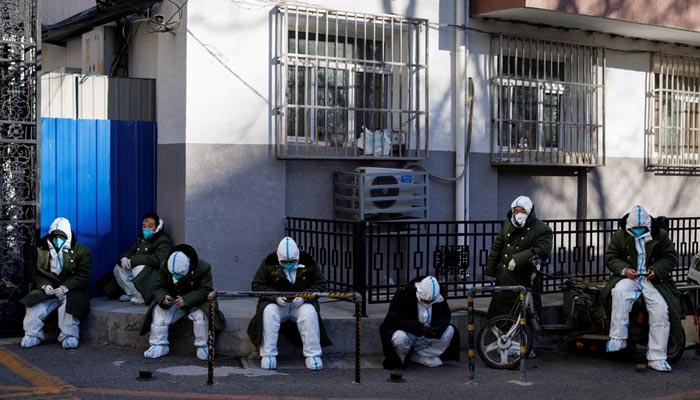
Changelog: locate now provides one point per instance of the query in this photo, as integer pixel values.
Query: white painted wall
(230, 75)
(625, 99)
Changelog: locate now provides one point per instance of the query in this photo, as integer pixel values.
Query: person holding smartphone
(183, 283)
(288, 270)
(641, 258)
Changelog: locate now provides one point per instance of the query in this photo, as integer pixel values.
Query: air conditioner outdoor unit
(381, 194)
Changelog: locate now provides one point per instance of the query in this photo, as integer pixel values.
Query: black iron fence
(376, 258)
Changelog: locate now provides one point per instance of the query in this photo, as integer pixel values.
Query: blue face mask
(147, 233)
(638, 231)
(289, 265)
(58, 242)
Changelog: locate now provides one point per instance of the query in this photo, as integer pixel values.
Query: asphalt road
(109, 372)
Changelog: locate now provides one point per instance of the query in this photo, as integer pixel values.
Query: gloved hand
(126, 263)
(60, 291)
(48, 289)
(297, 301)
(511, 265)
(280, 301)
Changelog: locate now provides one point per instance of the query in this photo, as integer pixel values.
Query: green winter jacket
(194, 288)
(661, 257)
(519, 244)
(150, 252)
(270, 278)
(75, 275)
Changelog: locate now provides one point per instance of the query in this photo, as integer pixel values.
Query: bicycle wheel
(498, 343)
(675, 348)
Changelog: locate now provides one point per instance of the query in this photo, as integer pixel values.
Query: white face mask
(520, 219)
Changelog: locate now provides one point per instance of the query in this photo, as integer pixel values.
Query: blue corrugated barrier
(101, 175)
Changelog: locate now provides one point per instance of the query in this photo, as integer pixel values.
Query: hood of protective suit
(61, 226)
(524, 202)
(428, 289)
(519, 220)
(638, 221)
(178, 265)
(287, 250)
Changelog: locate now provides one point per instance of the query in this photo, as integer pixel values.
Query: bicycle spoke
(493, 346)
(504, 356)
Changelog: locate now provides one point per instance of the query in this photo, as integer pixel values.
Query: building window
(546, 103)
(673, 139)
(350, 85)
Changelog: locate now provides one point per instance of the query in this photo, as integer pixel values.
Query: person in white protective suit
(418, 323)
(61, 279)
(182, 286)
(137, 268)
(641, 257)
(288, 270)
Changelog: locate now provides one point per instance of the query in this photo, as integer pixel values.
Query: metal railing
(377, 258)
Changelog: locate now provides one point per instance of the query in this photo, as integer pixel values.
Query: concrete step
(116, 323)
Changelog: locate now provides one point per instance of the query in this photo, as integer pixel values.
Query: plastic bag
(376, 143)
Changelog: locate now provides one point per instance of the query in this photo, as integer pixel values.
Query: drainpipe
(459, 111)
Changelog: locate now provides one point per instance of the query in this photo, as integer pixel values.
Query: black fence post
(359, 262)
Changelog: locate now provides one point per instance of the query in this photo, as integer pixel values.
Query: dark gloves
(431, 332)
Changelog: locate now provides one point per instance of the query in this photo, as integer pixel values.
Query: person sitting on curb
(61, 279)
(418, 325)
(182, 287)
(136, 269)
(288, 270)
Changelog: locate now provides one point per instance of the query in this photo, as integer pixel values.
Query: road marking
(29, 372)
(46, 384)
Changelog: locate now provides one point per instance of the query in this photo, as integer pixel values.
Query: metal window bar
(546, 102)
(377, 258)
(673, 103)
(350, 85)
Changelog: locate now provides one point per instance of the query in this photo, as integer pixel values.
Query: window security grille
(546, 103)
(673, 137)
(350, 85)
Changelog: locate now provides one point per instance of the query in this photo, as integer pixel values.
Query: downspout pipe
(459, 73)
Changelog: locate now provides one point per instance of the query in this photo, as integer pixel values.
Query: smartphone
(169, 298)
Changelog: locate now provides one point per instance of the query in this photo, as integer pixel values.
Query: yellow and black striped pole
(354, 297)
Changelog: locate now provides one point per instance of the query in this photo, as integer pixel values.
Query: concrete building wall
(238, 192)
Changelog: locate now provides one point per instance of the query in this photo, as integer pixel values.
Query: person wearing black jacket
(418, 324)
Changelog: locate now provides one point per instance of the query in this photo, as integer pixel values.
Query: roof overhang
(104, 12)
(658, 20)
